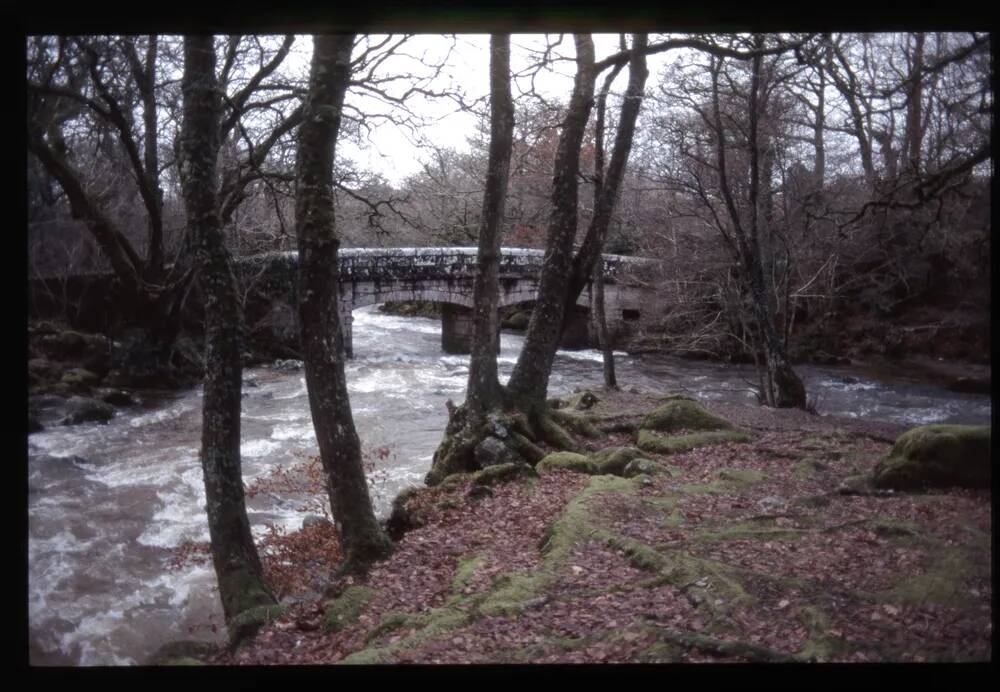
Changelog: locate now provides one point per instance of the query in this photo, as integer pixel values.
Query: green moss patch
(346, 608)
(683, 414)
(651, 442)
(502, 473)
(937, 456)
(613, 460)
(246, 624)
(571, 461)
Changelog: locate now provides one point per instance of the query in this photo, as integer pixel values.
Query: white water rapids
(107, 504)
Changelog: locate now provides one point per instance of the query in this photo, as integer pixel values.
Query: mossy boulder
(613, 460)
(570, 461)
(517, 320)
(346, 608)
(683, 414)
(937, 456)
(182, 653)
(502, 473)
(81, 409)
(651, 442)
(80, 377)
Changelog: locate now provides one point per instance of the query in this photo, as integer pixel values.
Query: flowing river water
(108, 504)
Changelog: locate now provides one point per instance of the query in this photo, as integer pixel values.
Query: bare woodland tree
(234, 555)
(319, 302)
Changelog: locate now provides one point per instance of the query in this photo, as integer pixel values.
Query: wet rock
(81, 409)
(970, 385)
(642, 467)
(185, 652)
(116, 397)
(937, 456)
(70, 345)
(491, 452)
(34, 425)
(287, 365)
(80, 378)
(44, 369)
(315, 520)
(582, 401)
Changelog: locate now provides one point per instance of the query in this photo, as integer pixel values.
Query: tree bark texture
(321, 335)
(484, 385)
(237, 564)
(609, 182)
(530, 378)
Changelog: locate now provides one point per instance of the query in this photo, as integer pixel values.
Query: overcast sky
(395, 153)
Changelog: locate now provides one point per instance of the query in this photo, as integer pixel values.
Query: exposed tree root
(521, 432)
(724, 648)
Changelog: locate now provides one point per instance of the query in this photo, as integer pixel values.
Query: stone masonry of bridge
(445, 275)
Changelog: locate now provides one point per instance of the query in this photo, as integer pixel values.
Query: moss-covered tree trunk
(237, 565)
(484, 386)
(321, 335)
(530, 378)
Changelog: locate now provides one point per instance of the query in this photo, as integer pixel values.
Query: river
(108, 504)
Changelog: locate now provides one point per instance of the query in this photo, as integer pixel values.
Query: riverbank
(741, 551)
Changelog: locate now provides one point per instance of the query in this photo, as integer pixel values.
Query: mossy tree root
(719, 647)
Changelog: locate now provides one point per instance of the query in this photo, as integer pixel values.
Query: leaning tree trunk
(530, 378)
(484, 389)
(322, 338)
(237, 565)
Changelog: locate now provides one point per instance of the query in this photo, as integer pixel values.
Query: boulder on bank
(681, 413)
(658, 432)
(516, 320)
(937, 456)
(570, 461)
(81, 409)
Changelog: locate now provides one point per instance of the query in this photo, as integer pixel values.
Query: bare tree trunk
(322, 338)
(819, 147)
(530, 378)
(608, 357)
(484, 385)
(609, 182)
(789, 390)
(237, 565)
(914, 95)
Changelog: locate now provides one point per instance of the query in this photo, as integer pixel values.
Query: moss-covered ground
(735, 551)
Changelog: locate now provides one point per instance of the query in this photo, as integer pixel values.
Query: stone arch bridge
(446, 275)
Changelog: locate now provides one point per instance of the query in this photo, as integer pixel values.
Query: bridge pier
(456, 329)
(578, 332)
(347, 330)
